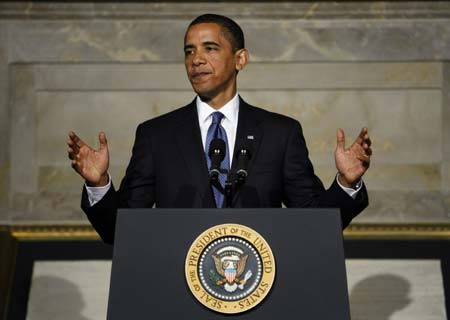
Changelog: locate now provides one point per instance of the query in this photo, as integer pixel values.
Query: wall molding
(366, 231)
(239, 9)
(398, 231)
(55, 232)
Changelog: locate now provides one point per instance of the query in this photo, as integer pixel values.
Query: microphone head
(217, 147)
(244, 149)
(243, 152)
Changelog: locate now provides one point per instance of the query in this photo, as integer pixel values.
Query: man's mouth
(198, 75)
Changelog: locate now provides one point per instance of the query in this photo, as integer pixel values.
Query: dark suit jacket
(168, 169)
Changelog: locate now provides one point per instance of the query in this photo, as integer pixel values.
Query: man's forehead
(204, 32)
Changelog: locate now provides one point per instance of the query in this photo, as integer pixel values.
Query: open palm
(91, 164)
(354, 161)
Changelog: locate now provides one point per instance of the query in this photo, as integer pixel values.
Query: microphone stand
(227, 190)
(228, 194)
(234, 181)
(231, 186)
(237, 179)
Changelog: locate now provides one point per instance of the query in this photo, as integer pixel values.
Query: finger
(73, 151)
(340, 140)
(360, 138)
(362, 153)
(75, 166)
(73, 146)
(366, 164)
(364, 158)
(102, 140)
(76, 139)
(70, 153)
(367, 140)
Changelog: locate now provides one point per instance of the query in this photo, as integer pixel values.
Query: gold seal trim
(209, 238)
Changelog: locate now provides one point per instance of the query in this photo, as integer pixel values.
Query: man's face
(210, 62)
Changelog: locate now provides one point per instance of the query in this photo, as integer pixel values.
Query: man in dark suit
(168, 167)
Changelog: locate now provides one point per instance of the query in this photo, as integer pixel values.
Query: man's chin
(205, 98)
(203, 93)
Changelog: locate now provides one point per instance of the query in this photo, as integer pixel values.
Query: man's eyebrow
(206, 43)
(210, 43)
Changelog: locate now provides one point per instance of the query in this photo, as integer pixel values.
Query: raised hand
(91, 164)
(354, 161)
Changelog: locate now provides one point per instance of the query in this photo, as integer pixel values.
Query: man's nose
(199, 58)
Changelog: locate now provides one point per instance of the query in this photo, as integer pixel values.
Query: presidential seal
(230, 268)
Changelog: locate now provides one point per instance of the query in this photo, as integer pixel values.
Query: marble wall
(91, 67)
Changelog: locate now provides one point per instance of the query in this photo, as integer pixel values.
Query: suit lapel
(189, 142)
(248, 134)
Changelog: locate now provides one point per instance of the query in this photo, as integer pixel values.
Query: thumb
(103, 141)
(340, 141)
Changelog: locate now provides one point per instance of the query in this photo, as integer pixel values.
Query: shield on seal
(230, 275)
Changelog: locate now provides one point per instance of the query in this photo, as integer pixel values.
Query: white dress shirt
(229, 122)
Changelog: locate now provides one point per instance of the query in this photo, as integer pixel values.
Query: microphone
(216, 153)
(243, 157)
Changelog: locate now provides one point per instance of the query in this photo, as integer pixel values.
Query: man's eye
(211, 48)
(188, 52)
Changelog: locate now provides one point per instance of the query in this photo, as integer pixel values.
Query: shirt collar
(230, 110)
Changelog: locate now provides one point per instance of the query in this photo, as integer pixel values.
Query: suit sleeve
(302, 188)
(137, 189)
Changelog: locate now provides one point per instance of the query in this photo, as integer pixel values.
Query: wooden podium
(148, 271)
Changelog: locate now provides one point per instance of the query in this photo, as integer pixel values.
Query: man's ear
(242, 56)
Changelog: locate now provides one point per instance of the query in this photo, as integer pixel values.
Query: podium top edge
(223, 210)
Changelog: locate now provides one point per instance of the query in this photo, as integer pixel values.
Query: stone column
(445, 173)
(4, 126)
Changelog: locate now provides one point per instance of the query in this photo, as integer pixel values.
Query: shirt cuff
(350, 191)
(95, 194)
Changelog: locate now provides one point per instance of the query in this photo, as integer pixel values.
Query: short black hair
(232, 31)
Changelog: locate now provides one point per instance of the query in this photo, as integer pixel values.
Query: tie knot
(217, 117)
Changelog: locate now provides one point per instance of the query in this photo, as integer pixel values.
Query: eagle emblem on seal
(230, 264)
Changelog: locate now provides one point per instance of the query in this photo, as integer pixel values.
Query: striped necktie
(216, 131)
